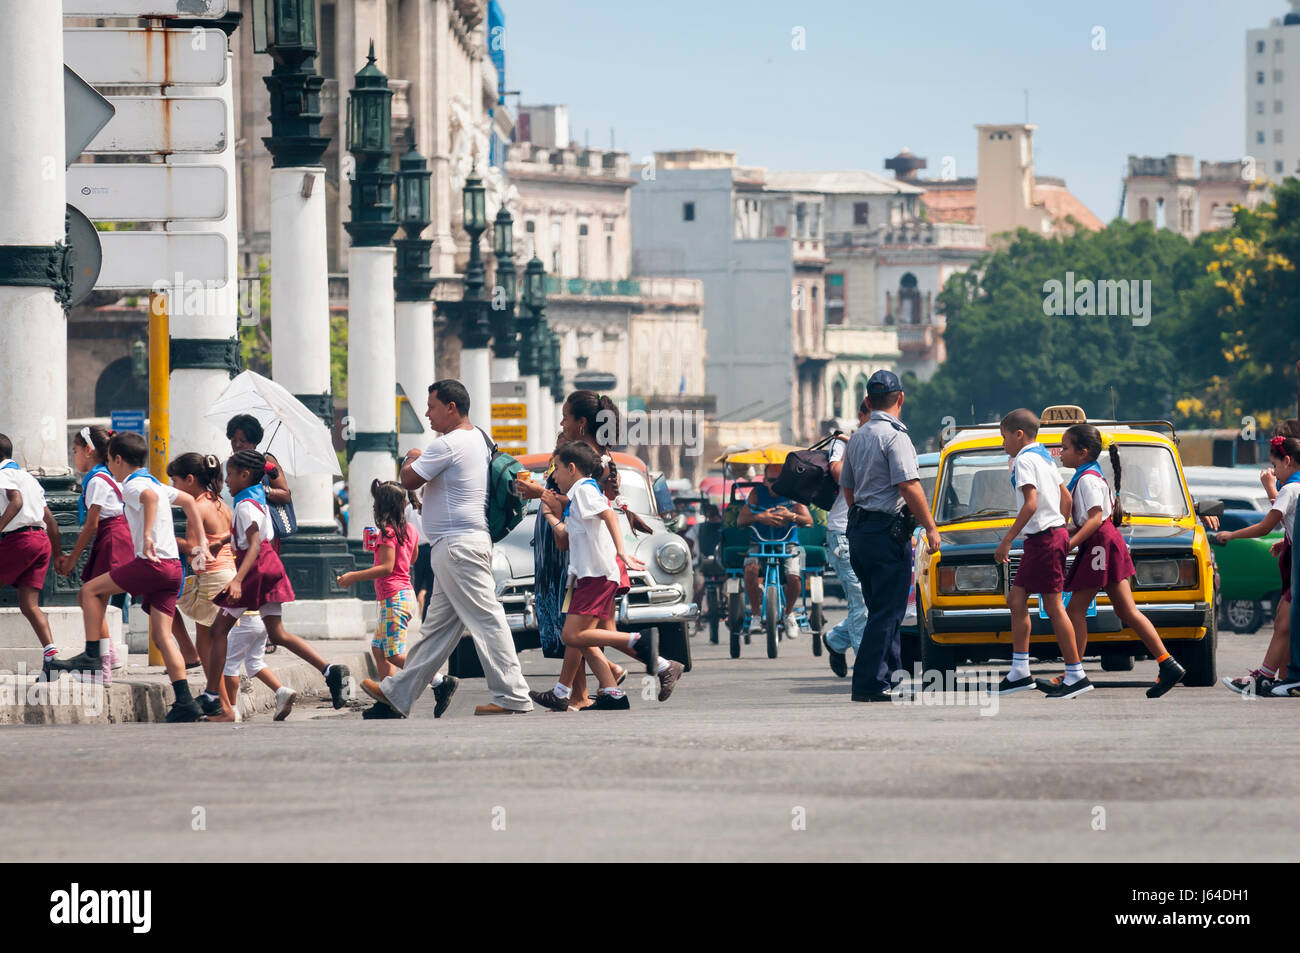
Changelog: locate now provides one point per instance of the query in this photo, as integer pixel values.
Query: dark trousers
(1293, 670)
(884, 568)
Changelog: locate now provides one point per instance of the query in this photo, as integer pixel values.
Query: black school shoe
(80, 662)
(548, 699)
(442, 694)
(1171, 673)
(186, 711)
(607, 702)
(1007, 686)
(209, 706)
(380, 710)
(1070, 691)
(839, 660)
(337, 680)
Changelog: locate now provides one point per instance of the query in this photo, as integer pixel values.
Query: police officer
(879, 479)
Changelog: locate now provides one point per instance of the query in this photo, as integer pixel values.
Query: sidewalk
(140, 692)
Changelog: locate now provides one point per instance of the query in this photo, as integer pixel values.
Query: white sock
(614, 692)
(561, 690)
(437, 680)
(51, 651)
(661, 666)
(212, 695)
(631, 641)
(1074, 673)
(1019, 666)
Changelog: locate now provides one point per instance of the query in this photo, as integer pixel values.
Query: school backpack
(806, 476)
(504, 507)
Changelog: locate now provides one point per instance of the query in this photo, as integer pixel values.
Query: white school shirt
(99, 492)
(1032, 469)
(1090, 491)
(455, 499)
(1285, 504)
(591, 548)
(837, 520)
(32, 512)
(164, 533)
(249, 513)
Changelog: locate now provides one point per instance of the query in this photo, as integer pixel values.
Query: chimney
(905, 165)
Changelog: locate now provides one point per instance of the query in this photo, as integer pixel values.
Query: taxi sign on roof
(1063, 414)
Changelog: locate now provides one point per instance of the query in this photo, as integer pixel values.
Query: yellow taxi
(961, 592)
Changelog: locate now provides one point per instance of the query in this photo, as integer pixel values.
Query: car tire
(1198, 657)
(772, 623)
(934, 657)
(816, 621)
(674, 643)
(1242, 615)
(1114, 662)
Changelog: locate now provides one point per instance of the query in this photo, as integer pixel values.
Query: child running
(200, 477)
(1103, 561)
(589, 529)
(1284, 453)
(154, 574)
(245, 646)
(1042, 564)
(395, 548)
(24, 549)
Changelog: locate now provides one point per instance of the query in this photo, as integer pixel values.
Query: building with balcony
(1273, 97)
(1168, 192)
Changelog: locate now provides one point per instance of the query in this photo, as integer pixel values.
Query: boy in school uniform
(28, 535)
(154, 574)
(1039, 489)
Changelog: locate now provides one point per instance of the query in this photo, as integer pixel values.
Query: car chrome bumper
(1163, 615)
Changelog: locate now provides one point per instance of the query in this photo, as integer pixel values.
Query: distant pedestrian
(848, 632)
(453, 470)
(28, 535)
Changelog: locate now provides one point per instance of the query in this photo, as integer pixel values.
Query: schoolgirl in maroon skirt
(1102, 562)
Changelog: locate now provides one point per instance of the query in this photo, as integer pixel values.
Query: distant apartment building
(1168, 192)
(1273, 97)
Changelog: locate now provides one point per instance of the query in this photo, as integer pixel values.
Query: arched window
(1144, 211)
(859, 392)
(837, 398)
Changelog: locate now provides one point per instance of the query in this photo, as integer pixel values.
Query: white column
(34, 355)
(415, 365)
(300, 337)
(476, 375)
(212, 314)
(505, 369)
(372, 368)
(536, 444)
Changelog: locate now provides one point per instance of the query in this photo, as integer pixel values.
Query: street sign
(113, 57)
(163, 124)
(85, 113)
(127, 421)
(509, 390)
(511, 432)
(513, 451)
(509, 411)
(199, 9)
(139, 260)
(86, 253)
(145, 192)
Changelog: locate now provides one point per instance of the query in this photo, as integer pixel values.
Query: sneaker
(548, 699)
(209, 706)
(1007, 686)
(380, 710)
(1048, 684)
(756, 625)
(102, 677)
(80, 662)
(839, 660)
(1243, 684)
(668, 678)
(1069, 691)
(607, 702)
(1169, 675)
(1264, 687)
(284, 699)
(1286, 688)
(338, 681)
(791, 626)
(442, 694)
(185, 711)
(116, 661)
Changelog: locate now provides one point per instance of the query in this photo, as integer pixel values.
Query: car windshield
(928, 475)
(977, 484)
(632, 484)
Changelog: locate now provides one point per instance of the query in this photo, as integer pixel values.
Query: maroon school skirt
(156, 583)
(594, 596)
(1284, 564)
(112, 547)
(1042, 566)
(1103, 560)
(266, 583)
(24, 557)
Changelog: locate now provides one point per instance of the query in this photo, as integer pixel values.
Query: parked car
(1237, 487)
(661, 600)
(928, 467)
(1248, 574)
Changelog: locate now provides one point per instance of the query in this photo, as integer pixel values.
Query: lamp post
(532, 322)
(372, 359)
(475, 331)
(300, 318)
(505, 343)
(415, 344)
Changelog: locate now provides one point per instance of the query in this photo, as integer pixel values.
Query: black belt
(866, 514)
(25, 529)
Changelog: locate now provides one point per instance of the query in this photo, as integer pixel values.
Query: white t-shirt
(591, 548)
(1033, 469)
(455, 499)
(99, 492)
(164, 533)
(1285, 504)
(837, 520)
(247, 514)
(32, 512)
(1090, 491)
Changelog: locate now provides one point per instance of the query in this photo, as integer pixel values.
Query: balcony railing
(671, 290)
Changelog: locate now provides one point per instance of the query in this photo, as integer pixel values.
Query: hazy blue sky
(876, 76)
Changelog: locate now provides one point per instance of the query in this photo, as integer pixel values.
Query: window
(1259, 78)
(1259, 46)
(1259, 136)
(835, 299)
(688, 211)
(837, 399)
(530, 230)
(582, 250)
(1144, 210)
(801, 219)
(557, 255)
(1277, 106)
(1277, 135)
(860, 391)
(1259, 107)
(609, 256)
(1277, 76)
(1278, 166)
(861, 214)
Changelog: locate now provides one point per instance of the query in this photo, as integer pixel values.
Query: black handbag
(806, 476)
(282, 516)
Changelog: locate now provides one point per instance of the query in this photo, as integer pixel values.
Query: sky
(874, 77)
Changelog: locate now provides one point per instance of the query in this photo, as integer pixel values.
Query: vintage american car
(660, 602)
(961, 592)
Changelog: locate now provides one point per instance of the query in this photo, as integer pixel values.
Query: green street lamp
(532, 320)
(286, 30)
(557, 371)
(370, 140)
(505, 343)
(475, 329)
(414, 213)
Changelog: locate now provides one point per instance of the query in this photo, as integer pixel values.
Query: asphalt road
(752, 759)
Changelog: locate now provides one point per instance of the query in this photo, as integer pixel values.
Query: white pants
(245, 645)
(463, 597)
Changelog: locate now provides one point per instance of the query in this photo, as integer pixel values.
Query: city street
(750, 759)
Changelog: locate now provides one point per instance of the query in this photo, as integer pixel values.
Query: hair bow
(1278, 442)
(1107, 440)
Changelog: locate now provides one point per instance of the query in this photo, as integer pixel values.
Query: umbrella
(292, 434)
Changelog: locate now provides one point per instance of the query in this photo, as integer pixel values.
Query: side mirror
(675, 523)
(1209, 507)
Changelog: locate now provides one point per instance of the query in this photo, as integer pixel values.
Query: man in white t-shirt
(454, 473)
(848, 633)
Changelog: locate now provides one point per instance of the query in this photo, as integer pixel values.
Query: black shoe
(642, 650)
(1171, 673)
(1007, 686)
(1264, 687)
(193, 665)
(606, 702)
(78, 663)
(1285, 688)
(209, 706)
(548, 699)
(839, 660)
(186, 711)
(1048, 684)
(1069, 691)
(380, 710)
(874, 697)
(442, 694)
(337, 681)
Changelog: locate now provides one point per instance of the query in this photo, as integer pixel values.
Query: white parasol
(291, 433)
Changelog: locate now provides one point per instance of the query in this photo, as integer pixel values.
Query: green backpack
(504, 507)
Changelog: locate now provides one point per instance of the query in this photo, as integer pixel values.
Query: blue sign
(127, 421)
(1065, 600)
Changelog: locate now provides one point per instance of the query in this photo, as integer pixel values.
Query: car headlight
(672, 556)
(500, 569)
(962, 580)
(1167, 573)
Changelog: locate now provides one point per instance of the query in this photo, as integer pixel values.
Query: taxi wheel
(675, 644)
(773, 621)
(1198, 658)
(934, 657)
